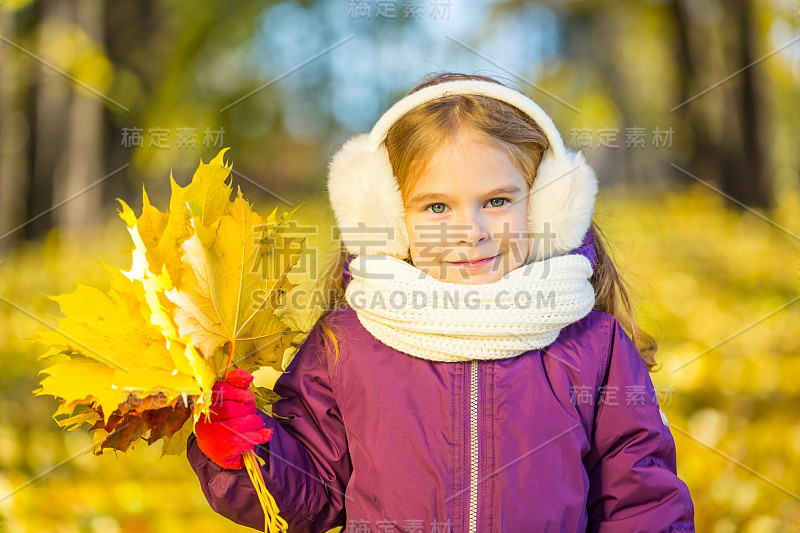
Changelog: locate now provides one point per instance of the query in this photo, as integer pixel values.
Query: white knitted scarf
(417, 314)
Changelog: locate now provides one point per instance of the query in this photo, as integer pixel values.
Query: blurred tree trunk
(746, 176)
(734, 154)
(14, 137)
(702, 152)
(83, 146)
(52, 97)
(68, 134)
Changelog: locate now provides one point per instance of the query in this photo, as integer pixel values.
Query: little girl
(472, 373)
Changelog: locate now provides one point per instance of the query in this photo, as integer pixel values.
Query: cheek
(412, 225)
(419, 237)
(512, 227)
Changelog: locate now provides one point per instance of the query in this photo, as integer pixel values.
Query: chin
(478, 280)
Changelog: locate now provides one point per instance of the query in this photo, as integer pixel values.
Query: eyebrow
(428, 197)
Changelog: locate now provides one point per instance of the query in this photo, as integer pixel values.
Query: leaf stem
(228, 363)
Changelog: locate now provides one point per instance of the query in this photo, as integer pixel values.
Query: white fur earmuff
(369, 208)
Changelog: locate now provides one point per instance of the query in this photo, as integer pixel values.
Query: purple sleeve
(633, 481)
(307, 464)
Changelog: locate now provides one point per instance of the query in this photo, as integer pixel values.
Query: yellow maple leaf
(227, 293)
(195, 208)
(109, 356)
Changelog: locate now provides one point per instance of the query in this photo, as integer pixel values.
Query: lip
(473, 265)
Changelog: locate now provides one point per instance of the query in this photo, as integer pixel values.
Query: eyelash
(506, 200)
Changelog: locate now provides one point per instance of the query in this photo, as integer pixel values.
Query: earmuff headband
(368, 204)
(451, 88)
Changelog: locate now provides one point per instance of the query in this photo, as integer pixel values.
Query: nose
(471, 228)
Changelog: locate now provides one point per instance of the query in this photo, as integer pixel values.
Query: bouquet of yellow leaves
(139, 361)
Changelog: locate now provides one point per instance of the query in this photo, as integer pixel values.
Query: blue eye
(433, 207)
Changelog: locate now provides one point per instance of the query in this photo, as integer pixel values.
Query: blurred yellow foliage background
(684, 109)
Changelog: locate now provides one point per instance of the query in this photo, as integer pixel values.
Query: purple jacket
(567, 438)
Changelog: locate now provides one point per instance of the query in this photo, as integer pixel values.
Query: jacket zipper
(473, 451)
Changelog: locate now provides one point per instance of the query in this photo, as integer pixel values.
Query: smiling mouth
(474, 263)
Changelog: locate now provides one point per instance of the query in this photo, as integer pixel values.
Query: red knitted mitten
(234, 426)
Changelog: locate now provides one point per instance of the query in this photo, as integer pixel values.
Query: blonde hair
(412, 140)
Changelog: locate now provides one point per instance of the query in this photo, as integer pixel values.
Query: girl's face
(470, 204)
